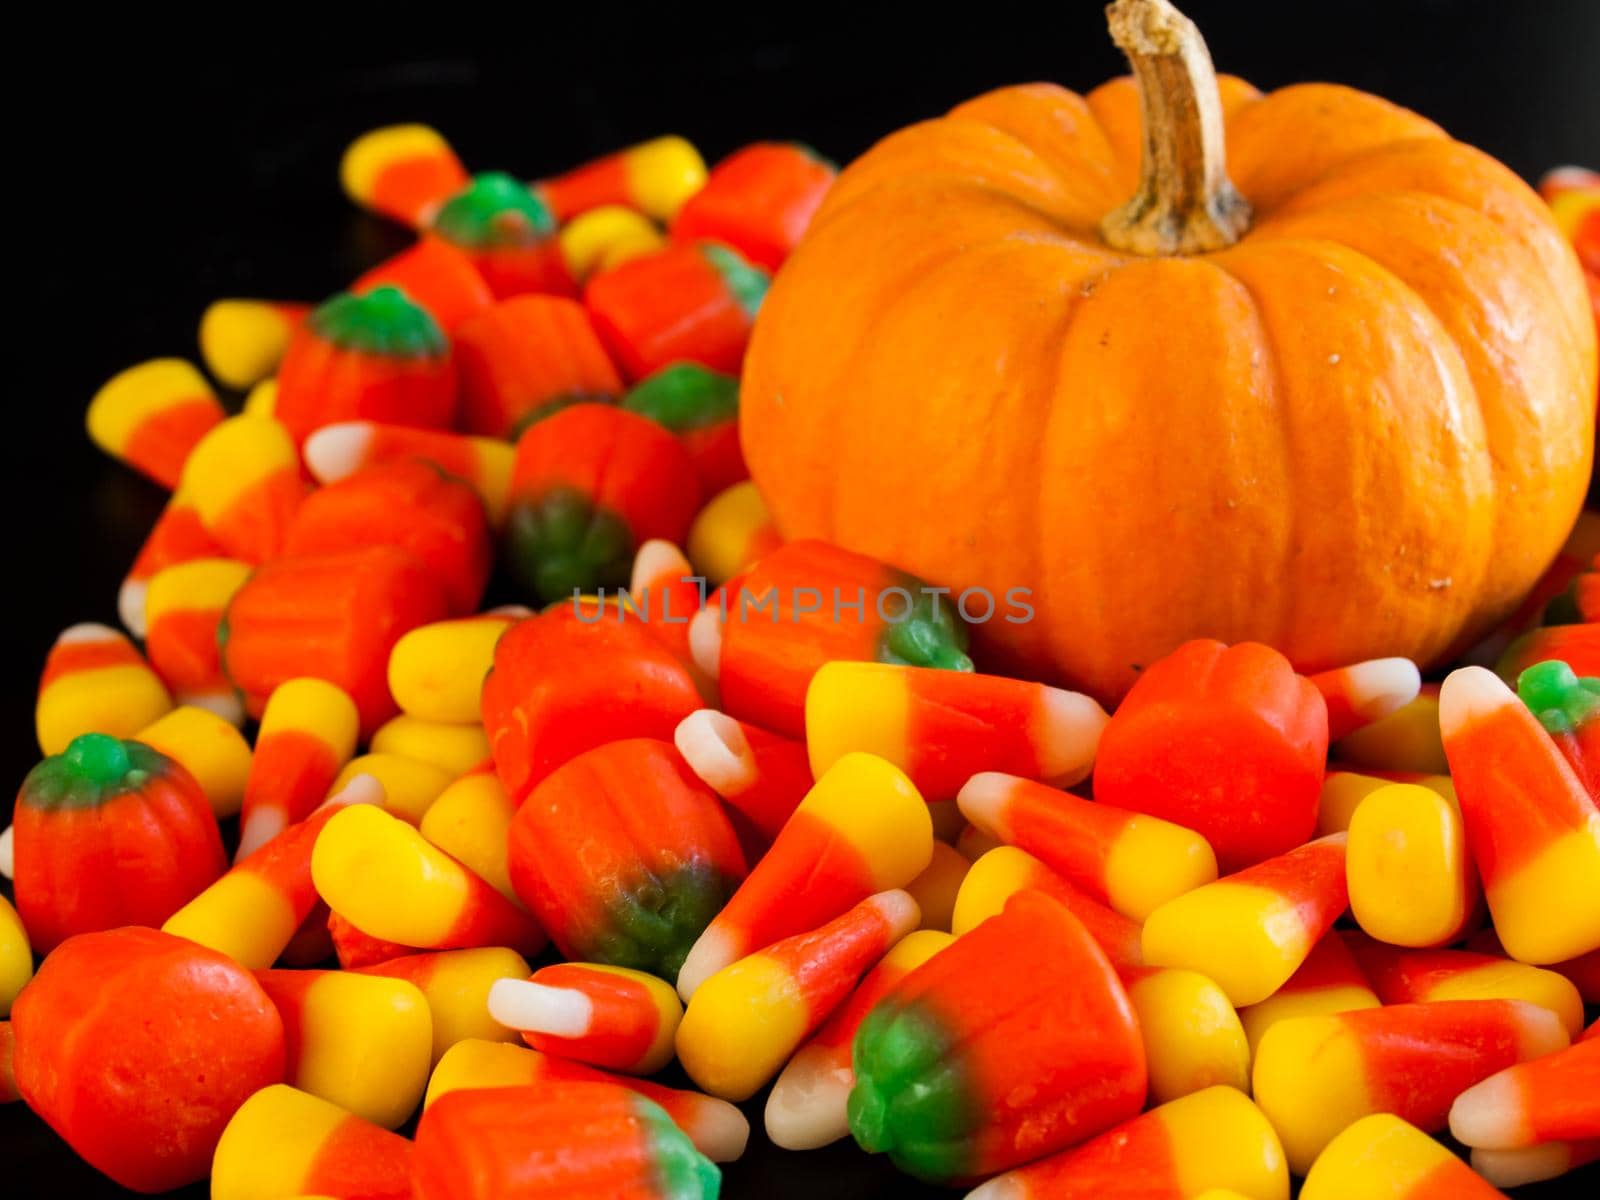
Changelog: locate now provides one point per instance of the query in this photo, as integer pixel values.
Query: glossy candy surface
(153, 415)
(612, 1017)
(95, 681)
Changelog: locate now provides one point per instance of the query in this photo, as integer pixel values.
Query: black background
(156, 169)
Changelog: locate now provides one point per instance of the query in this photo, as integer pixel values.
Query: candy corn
(717, 1128)
(560, 687)
(252, 913)
(759, 200)
(1314, 1076)
(808, 1104)
(1553, 1099)
(1227, 741)
(731, 533)
(209, 748)
(527, 357)
(183, 608)
(664, 593)
(1192, 1036)
(307, 734)
(1411, 882)
(362, 1042)
(332, 617)
(436, 672)
(386, 879)
(284, 1142)
(1251, 930)
(805, 604)
(1015, 1041)
(590, 484)
(374, 356)
(1533, 830)
(1365, 692)
(745, 1021)
(612, 1017)
(1569, 709)
(624, 856)
(654, 177)
(16, 957)
(95, 681)
(1329, 981)
(453, 749)
(1413, 976)
(338, 451)
(456, 985)
(471, 821)
(1173, 1152)
(762, 775)
(936, 888)
(1383, 1156)
(944, 727)
(580, 1139)
(152, 416)
(1406, 740)
(701, 406)
(244, 480)
(242, 341)
(401, 171)
(1132, 862)
(1003, 871)
(177, 536)
(687, 302)
(862, 829)
(606, 237)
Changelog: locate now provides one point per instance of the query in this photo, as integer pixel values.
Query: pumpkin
(1342, 404)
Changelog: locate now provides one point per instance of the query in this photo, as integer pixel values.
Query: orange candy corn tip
(1381, 1157)
(1555, 1098)
(1365, 692)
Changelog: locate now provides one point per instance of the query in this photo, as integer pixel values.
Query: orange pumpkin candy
(1361, 428)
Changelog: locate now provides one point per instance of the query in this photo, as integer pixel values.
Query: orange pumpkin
(1343, 404)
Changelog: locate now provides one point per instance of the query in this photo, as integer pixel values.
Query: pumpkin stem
(1186, 204)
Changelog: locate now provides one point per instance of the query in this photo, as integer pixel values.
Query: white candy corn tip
(658, 561)
(88, 631)
(712, 951)
(983, 799)
(899, 910)
(1067, 732)
(718, 1130)
(258, 828)
(8, 854)
(1470, 694)
(714, 746)
(130, 606)
(516, 612)
(1513, 1168)
(1489, 1115)
(358, 789)
(705, 641)
(809, 1104)
(1380, 686)
(335, 452)
(1001, 1187)
(225, 704)
(530, 1007)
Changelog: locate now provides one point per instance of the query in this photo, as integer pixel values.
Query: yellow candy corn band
(742, 1024)
(720, 537)
(313, 706)
(202, 584)
(240, 915)
(470, 821)
(1221, 1139)
(242, 341)
(1508, 980)
(1564, 877)
(409, 787)
(457, 990)
(211, 749)
(454, 749)
(1407, 867)
(479, 1063)
(1379, 1157)
(262, 400)
(936, 889)
(1264, 930)
(366, 1043)
(1136, 891)
(1314, 1002)
(1192, 1036)
(1306, 1118)
(271, 1144)
(117, 700)
(133, 396)
(866, 710)
(366, 864)
(893, 834)
(367, 157)
(16, 959)
(605, 237)
(236, 454)
(436, 671)
(662, 173)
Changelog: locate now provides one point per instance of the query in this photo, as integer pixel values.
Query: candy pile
(784, 835)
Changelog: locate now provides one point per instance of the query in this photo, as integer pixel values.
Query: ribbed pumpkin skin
(1363, 430)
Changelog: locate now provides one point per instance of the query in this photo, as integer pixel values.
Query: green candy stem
(560, 544)
(380, 322)
(1558, 697)
(684, 397)
(913, 1098)
(747, 283)
(932, 634)
(651, 925)
(494, 212)
(94, 768)
(681, 1171)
